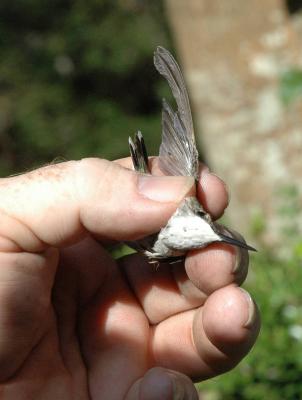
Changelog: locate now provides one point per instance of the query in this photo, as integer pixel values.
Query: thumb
(59, 204)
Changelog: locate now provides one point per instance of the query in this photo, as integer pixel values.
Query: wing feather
(178, 154)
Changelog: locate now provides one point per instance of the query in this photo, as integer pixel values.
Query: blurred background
(77, 78)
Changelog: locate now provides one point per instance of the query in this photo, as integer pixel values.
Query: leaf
(291, 86)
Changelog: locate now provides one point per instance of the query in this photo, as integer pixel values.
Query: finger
(160, 290)
(26, 281)
(213, 339)
(211, 190)
(113, 329)
(83, 268)
(114, 332)
(212, 193)
(216, 266)
(160, 383)
(172, 288)
(57, 205)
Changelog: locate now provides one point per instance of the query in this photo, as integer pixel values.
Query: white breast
(188, 232)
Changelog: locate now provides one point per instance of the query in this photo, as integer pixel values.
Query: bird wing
(178, 154)
(139, 153)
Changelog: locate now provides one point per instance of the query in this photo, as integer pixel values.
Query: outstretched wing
(177, 154)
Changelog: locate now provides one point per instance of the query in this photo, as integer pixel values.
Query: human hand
(75, 324)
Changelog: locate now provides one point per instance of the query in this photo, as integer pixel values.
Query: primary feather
(178, 154)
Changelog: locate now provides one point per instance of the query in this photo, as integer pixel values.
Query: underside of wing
(178, 154)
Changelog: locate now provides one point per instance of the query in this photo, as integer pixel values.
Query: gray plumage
(178, 154)
(190, 227)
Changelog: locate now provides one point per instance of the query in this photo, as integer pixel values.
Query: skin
(76, 324)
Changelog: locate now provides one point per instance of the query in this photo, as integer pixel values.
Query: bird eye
(201, 214)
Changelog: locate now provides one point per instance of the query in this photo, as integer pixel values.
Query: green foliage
(258, 225)
(121, 251)
(289, 208)
(77, 78)
(291, 85)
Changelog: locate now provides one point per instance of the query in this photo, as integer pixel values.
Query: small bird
(190, 227)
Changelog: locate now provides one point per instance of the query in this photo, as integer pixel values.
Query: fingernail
(204, 170)
(251, 309)
(178, 388)
(237, 257)
(241, 260)
(165, 188)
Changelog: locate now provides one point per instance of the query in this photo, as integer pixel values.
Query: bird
(190, 227)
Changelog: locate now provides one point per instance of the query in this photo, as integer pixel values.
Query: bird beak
(235, 242)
